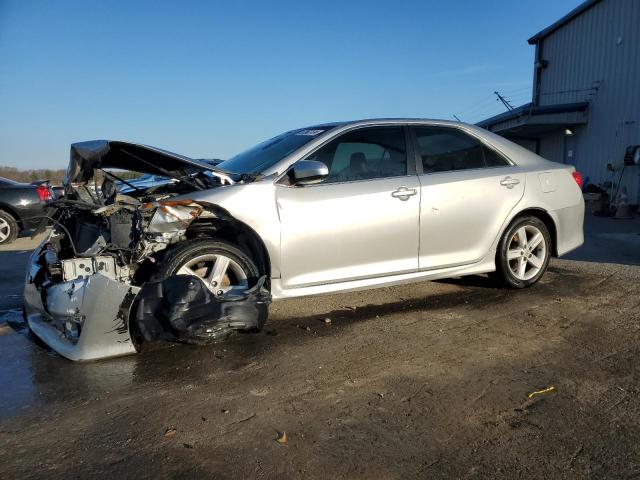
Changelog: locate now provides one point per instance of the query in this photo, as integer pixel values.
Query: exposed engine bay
(93, 290)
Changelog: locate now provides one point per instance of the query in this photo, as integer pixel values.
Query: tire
(8, 228)
(242, 271)
(518, 264)
(190, 251)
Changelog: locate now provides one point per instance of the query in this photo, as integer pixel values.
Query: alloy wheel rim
(526, 252)
(221, 274)
(5, 229)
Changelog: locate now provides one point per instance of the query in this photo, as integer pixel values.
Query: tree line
(54, 176)
(28, 176)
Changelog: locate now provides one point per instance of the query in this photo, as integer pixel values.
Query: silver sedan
(370, 203)
(327, 208)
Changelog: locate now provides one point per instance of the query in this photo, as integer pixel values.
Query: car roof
(516, 153)
(403, 121)
(388, 120)
(345, 125)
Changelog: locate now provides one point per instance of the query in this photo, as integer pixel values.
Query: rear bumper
(83, 319)
(570, 226)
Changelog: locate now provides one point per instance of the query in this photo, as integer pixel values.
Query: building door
(570, 150)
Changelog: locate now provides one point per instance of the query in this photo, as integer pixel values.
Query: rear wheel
(8, 228)
(524, 252)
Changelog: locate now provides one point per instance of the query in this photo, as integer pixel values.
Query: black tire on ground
(177, 256)
(504, 274)
(9, 228)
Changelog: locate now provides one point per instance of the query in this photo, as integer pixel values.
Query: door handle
(509, 182)
(403, 193)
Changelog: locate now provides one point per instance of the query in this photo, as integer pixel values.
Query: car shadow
(479, 281)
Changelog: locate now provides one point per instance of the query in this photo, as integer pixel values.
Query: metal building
(585, 108)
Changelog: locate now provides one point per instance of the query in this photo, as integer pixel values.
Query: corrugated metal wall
(528, 144)
(552, 146)
(596, 57)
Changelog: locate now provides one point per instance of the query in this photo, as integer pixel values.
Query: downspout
(537, 73)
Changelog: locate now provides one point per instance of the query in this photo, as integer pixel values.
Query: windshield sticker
(310, 133)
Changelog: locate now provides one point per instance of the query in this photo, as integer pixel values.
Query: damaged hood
(88, 156)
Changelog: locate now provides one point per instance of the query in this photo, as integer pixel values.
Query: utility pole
(504, 101)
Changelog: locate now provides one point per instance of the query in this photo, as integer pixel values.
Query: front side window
(445, 149)
(364, 154)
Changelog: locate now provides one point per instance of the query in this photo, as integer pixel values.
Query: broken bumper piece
(182, 308)
(84, 319)
(93, 316)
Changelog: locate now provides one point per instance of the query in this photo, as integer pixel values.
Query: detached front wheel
(524, 252)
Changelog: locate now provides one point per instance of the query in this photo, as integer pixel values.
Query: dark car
(56, 190)
(21, 207)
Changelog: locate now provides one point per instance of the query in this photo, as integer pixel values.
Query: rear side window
(446, 149)
(364, 154)
(493, 158)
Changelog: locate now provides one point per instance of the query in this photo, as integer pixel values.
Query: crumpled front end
(92, 291)
(86, 315)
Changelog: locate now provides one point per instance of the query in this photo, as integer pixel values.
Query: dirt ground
(422, 381)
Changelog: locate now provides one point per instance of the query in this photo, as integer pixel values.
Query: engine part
(122, 229)
(78, 268)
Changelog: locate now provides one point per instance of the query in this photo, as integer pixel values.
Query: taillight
(43, 193)
(577, 176)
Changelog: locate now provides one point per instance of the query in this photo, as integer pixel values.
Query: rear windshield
(266, 154)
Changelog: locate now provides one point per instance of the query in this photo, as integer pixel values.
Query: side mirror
(308, 172)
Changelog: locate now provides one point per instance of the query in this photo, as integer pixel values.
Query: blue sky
(208, 79)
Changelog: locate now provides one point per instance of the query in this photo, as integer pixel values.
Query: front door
(361, 221)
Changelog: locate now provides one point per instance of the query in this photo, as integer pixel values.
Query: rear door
(361, 221)
(467, 192)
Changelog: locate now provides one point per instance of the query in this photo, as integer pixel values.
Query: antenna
(456, 117)
(504, 101)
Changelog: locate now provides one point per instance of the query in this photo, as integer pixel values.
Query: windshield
(143, 178)
(268, 153)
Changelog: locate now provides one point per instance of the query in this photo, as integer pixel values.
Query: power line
(482, 101)
(518, 95)
(516, 90)
(479, 108)
(508, 98)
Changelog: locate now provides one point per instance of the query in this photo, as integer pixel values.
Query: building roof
(529, 121)
(583, 7)
(530, 110)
